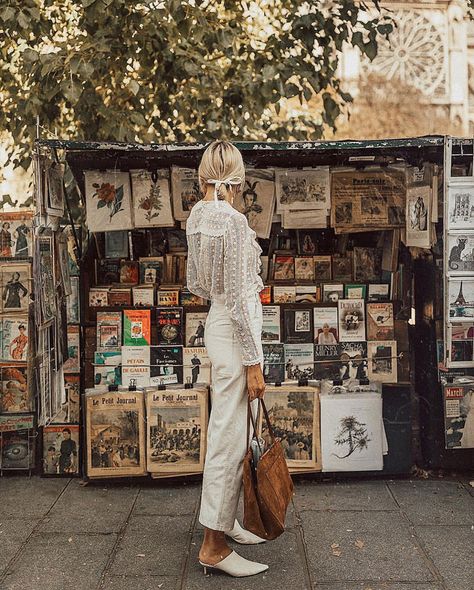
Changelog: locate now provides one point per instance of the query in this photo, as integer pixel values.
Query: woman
(223, 266)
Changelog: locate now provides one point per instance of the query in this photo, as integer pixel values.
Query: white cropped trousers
(226, 436)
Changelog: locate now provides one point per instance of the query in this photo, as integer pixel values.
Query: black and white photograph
(299, 361)
(195, 322)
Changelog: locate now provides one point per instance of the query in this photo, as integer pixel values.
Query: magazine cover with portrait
(61, 449)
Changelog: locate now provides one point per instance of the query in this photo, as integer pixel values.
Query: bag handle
(252, 420)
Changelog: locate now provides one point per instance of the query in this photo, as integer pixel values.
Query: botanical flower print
(108, 200)
(109, 196)
(152, 203)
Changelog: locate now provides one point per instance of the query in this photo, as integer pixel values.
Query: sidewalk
(380, 535)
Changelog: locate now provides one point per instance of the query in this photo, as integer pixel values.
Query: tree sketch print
(353, 434)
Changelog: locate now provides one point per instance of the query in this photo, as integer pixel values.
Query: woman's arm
(191, 273)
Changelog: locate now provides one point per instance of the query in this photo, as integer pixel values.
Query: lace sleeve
(191, 270)
(236, 289)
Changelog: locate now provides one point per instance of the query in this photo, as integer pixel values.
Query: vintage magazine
(302, 189)
(383, 361)
(367, 200)
(332, 292)
(271, 323)
(73, 362)
(418, 215)
(380, 325)
(298, 325)
(322, 268)
(273, 362)
(351, 432)
(137, 327)
(176, 430)
(166, 365)
(15, 283)
(195, 322)
(108, 368)
(461, 299)
(136, 366)
(116, 244)
(459, 415)
(460, 206)
(185, 191)
(61, 449)
(14, 338)
(283, 268)
(196, 365)
(108, 200)
(325, 325)
(284, 294)
(257, 201)
(299, 361)
(15, 394)
(326, 362)
(151, 198)
(17, 442)
(294, 415)
(461, 253)
(460, 345)
(169, 321)
(351, 313)
(115, 433)
(16, 237)
(304, 268)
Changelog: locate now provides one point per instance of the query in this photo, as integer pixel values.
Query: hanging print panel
(151, 199)
(108, 201)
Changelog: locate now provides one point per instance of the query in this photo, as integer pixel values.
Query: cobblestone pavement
(399, 534)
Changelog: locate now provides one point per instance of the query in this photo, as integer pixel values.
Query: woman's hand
(255, 382)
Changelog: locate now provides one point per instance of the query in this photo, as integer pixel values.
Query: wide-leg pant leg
(226, 438)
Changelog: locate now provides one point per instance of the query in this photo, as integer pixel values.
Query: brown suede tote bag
(268, 487)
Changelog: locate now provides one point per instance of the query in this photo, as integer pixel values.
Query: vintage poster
(461, 299)
(151, 198)
(108, 368)
(137, 327)
(418, 215)
(54, 180)
(136, 370)
(325, 325)
(195, 323)
(460, 206)
(380, 325)
(61, 449)
(294, 416)
(15, 395)
(298, 325)
(302, 189)
(14, 338)
(351, 432)
(271, 323)
(15, 283)
(73, 363)
(367, 264)
(299, 361)
(367, 200)
(273, 362)
(109, 330)
(196, 365)
(383, 361)
(351, 314)
(108, 200)
(459, 416)
(257, 201)
(176, 430)
(461, 253)
(460, 345)
(115, 433)
(16, 237)
(185, 190)
(304, 268)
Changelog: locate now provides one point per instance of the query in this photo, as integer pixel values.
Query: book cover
(307, 294)
(351, 313)
(299, 361)
(333, 292)
(284, 294)
(325, 325)
(322, 268)
(378, 292)
(355, 291)
(129, 272)
(195, 323)
(304, 268)
(353, 361)
(383, 362)
(166, 365)
(151, 270)
(367, 264)
(168, 296)
(273, 362)
(137, 327)
(107, 271)
(187, 298)
(136, 369)
(143, 296)
(380, 325)
(98, 297)
(120, 297)
(61, 449)
(342, 268)
(326, 361)
(169, 322)
(196, 365)
(298, 325)
(15, 395)
(271, 323)
(283, 268)
(266, 295)
(109, 330)
(108, 368)
(17, 442)
(116, 244)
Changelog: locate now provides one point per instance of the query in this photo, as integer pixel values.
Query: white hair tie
(217, 184)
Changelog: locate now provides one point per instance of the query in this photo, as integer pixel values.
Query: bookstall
(347, 231)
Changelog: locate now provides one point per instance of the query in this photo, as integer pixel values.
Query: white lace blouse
(224, 259)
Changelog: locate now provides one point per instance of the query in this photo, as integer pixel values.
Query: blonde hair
(221, 161)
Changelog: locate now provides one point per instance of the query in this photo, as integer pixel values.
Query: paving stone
(55, 561)
(451, 548)
(29, 496)
(282, 555)
(13, 532)
(141, 583)
(388, 552)
(377, 586)
(362, 495)
(90, 509)
(171, 500)
(434, 502)
(153, 545)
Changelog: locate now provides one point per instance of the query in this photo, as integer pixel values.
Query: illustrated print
(418, 214)
(461, 253)
(352, 436)
(250, 196)
(14, 292)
